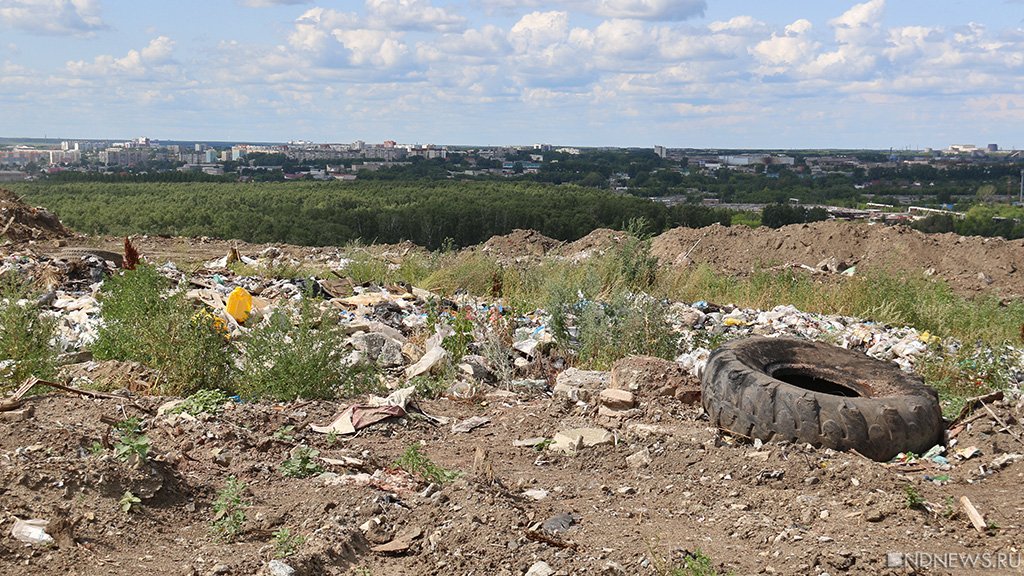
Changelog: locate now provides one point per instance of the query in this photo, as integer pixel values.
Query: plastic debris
(31, 531)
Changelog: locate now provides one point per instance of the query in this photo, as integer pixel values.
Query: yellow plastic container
(239, 304)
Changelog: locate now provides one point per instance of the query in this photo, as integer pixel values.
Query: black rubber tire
(884, 411)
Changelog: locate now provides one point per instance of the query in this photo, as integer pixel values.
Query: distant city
(25, 160)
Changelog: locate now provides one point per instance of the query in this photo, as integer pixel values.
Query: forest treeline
(333, 213)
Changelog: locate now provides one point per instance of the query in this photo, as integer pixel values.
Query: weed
(543, 444)
(458, 343)
(285, 360)
(331, 438)
(141, 322)
(25, 336)
(301, 463)
(913, 496)
(625, 325)
(418, 464)
(229, 511)
(128, 502)
(285, 543)
(631, 263)
(204, 401)
(430, 385)
(949, 509)
(963, 374)
(96, 448)
(130, 440)
(696, 564)
(286, 433)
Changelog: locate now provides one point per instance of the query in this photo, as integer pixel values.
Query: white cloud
(412, 15)
(371, 47)
(738, 25)
(54, 17)
(538, 30)
(793, 47)
(154, 57)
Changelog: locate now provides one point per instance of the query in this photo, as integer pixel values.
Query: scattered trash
(470, 424)
(31, 531)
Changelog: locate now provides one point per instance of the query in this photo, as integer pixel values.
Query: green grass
(696, 564)
(25, 336)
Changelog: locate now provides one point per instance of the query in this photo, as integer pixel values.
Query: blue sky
(679, 73)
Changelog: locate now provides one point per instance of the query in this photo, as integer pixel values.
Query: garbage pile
(385, 323)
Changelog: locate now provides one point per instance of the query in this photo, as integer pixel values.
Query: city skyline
(680, 73)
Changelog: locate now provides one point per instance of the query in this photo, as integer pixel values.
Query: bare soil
(970, 264)
(774, 508)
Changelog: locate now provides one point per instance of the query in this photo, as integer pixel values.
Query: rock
(613, 569)
(477, 367)
(379, 348)
(640, 459)
(280, 568)
(540, 569)
(433, 360)
(687, 316)
(536, 493)
(580, 384)
(616, 399)
(572, 440)
(648, 377)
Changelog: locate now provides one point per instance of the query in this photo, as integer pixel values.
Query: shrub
(25, 337)
(144, 323)
(286, 359)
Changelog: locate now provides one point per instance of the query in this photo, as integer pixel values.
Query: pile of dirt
(596, 243)
(20, 222)
(519, 244)
(969, 263)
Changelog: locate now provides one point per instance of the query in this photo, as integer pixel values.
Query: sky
(677, 73)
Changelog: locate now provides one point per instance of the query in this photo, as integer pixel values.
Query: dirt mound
(968, 263)
(594, 244)
(20, 222)
(519, 243)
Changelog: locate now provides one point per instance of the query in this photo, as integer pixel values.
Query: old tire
(801, 391)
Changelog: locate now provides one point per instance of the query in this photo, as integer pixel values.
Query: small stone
(279, 568)
(540, 569)
(617, 399)
(220, 569)
(640, 459)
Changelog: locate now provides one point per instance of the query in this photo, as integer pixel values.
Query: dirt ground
(753, 509)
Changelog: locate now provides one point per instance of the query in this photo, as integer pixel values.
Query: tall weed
(25, 336)
(288, 358)
(144, 323)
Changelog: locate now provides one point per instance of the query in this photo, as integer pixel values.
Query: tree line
(334, 213)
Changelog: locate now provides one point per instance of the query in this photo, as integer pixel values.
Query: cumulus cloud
(154, 57)
(53, 17)
(412, 15)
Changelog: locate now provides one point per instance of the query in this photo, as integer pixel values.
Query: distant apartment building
(116, 156)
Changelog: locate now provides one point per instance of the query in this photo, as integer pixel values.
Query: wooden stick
(91, 393)
(14, 400)
(1003, 424)
(972, 403)
(976, 518)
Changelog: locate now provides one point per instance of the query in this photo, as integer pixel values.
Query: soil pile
(968, 263)
(594, 244)
(519, 244)
(20, 222)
